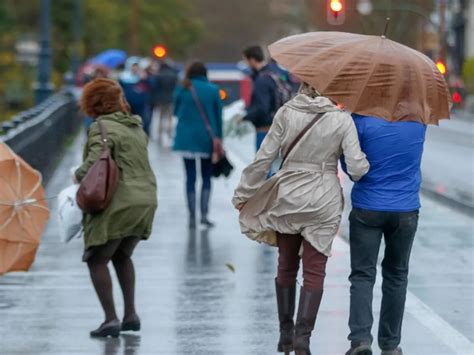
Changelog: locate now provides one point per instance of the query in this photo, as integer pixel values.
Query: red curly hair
(101, 97)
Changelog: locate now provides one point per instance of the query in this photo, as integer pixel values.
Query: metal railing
(39, 135)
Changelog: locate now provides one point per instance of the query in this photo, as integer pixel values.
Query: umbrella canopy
(369, 75)
(23, 212)
(111, 58)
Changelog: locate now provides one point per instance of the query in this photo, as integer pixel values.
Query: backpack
(284, 90)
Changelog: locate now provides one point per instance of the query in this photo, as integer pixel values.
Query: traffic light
(457, 98)
(441, 67)
(336, 12)
(160, 51)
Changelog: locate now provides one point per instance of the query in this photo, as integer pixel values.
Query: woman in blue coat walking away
(192, 139)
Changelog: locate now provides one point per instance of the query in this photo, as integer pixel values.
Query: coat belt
(321, 168)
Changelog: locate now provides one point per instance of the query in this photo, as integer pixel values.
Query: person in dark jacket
(137, 88)
(113, 234)
(193, 140)
(263, 102)
(385, 204)
(164, 86)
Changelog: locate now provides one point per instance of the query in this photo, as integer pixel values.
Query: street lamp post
(43, 86)
(75, 62)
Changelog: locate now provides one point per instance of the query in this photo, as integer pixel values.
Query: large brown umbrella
(23, 212)
(369, 75)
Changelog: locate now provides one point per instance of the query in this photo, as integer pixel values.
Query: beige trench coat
(305, 196)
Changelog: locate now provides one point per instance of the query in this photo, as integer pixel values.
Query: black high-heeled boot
(286, 311)
(307, 311)
(191, 197)
(205, 197)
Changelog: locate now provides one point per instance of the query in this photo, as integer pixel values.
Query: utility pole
(442, 30)
(134, 27)
(459, 29)
(43, 86)
(76, 29)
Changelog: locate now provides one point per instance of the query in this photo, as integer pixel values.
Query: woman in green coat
(113, 234)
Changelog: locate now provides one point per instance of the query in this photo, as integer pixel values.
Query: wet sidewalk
(190, 302)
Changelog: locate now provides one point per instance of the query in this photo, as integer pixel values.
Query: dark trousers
(314, 263)
(366, 231)
(165, 122)
(206, 175)
(144, 111)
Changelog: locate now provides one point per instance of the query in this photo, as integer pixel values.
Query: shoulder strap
(103, 133)
(202, 112)
(301, 135)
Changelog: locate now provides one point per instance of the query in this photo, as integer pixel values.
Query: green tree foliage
(16, 84)
(107, 24)
(171, 23)
(468, 75)
(104, 24)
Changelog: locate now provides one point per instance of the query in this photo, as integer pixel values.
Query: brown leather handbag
(101, 181)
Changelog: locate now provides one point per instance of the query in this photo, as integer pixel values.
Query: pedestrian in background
(269, 92)
(385, 203)
(192, 139)
(300, 207)
(113, 234)
(164, 87)
(136, 88)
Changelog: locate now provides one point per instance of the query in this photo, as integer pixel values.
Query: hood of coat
(304, 103)
(124, 118)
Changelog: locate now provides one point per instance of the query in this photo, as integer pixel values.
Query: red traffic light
(336, 6)
(457, 98)
(159, 51)
(336, 12)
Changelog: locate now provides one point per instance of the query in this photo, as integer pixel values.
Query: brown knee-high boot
(307, 311)
(286, 311)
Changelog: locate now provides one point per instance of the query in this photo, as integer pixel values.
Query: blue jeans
(147, 117)
(206, 175)
(366, 231)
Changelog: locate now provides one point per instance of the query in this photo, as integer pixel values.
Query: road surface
(192, 303)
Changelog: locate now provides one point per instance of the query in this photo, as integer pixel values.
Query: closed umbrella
(369, 75)
(23, 212)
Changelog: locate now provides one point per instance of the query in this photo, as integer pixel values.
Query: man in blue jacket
(385, 203)
(263, 105)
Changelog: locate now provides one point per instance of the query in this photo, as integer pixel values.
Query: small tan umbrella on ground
(369, 75)
(23, 212)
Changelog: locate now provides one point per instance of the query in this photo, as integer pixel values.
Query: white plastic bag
(69, 213)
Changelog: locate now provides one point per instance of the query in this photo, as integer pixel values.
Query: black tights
(102, 281)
